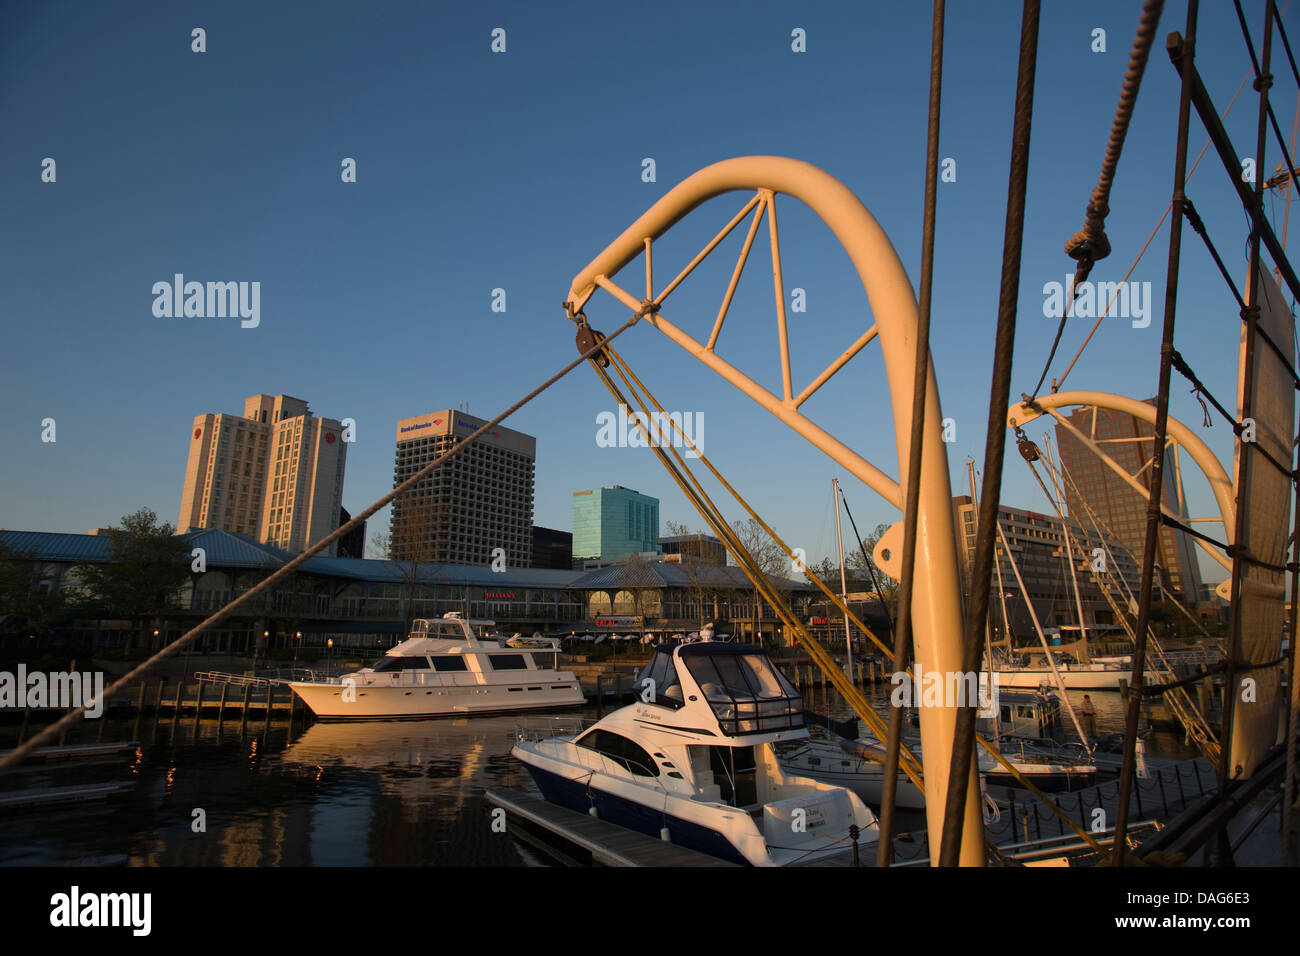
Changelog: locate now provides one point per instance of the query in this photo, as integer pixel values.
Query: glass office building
(612, 521)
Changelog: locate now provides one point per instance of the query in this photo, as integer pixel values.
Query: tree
(769, 557)
(865, 565)
(699, 574)
(637, 576)
(26, 605)
(412, 543)
(146, 568)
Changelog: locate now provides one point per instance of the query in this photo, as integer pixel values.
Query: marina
(485, 649)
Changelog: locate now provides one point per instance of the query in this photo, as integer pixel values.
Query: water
(381, 793)
(406, 793)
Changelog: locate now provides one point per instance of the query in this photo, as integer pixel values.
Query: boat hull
(579, 797)
(391, 703)
(1073, 679)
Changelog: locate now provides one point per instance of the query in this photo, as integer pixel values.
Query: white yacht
(443, 668)
(856, 764)
(692, 762)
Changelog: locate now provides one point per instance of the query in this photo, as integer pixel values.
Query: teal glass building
(612, 521)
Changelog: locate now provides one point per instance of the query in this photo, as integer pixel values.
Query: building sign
(329, 438)
(616, 621)
(818, 620)
(499, 595)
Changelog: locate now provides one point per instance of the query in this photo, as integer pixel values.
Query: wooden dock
(58, 796)
(585, 839)
(73, 752)
(205, 697)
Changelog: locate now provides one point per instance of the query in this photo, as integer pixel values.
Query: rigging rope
(910, 763)
(1090, 244)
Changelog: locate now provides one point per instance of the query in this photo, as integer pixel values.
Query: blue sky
(479, 171)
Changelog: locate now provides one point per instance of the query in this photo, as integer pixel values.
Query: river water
(403, 793)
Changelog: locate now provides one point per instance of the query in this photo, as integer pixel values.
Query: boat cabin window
(667, 688)
(628, 754)
(448, 663)
(392, 663)
(744, 689)
(508, 662)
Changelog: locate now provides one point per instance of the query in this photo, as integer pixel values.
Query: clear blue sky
(479, 170)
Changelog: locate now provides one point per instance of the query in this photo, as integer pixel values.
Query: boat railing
(280, 675)
(535, 729)
(539, 728)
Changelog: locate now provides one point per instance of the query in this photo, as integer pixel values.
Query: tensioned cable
(1090, 244)
(920, 382)
(1057, 383)
(871, 569)
(976, 612)
(66, 721)
(818, 654)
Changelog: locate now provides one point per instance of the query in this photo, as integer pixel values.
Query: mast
(844, 587)
(988, 628)
(1069, 552)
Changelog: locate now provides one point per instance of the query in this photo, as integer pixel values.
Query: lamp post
(329, 657)
(297, 641)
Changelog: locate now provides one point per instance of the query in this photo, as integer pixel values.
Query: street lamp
(329, 655)
(297, 640)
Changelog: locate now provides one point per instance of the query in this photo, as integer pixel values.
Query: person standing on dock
(1089, 717)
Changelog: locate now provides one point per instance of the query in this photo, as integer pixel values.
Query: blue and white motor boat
(692, 762)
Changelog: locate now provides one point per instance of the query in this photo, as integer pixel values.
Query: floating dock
(584, 840)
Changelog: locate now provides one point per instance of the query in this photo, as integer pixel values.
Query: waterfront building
(275, 473)
(1038, 544)
(478, 502)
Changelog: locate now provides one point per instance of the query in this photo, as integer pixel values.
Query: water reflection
(399, 793)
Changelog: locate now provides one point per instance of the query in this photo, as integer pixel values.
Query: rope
(1057, 383)
(995, 434)
(1090, 244)
(920, 382)
(66, 721)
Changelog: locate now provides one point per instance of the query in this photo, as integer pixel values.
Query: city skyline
(360, 283)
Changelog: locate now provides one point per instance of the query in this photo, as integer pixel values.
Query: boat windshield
(745, 690)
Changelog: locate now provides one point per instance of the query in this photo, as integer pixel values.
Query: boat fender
(663, 834)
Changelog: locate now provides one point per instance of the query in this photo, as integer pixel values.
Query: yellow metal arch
(937, 603)
(1220, 483)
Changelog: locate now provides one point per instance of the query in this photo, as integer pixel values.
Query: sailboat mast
(988, 628)
(844, 587)
(1069, 552)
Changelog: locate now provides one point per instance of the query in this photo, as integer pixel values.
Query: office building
(477, 502)
(552, 549)
(612, 520)
(1117, 506)
(703, 546)
(1038, 545)
(275, 473)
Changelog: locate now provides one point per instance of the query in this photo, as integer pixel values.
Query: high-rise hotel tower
(275, 474)
(477, 502)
